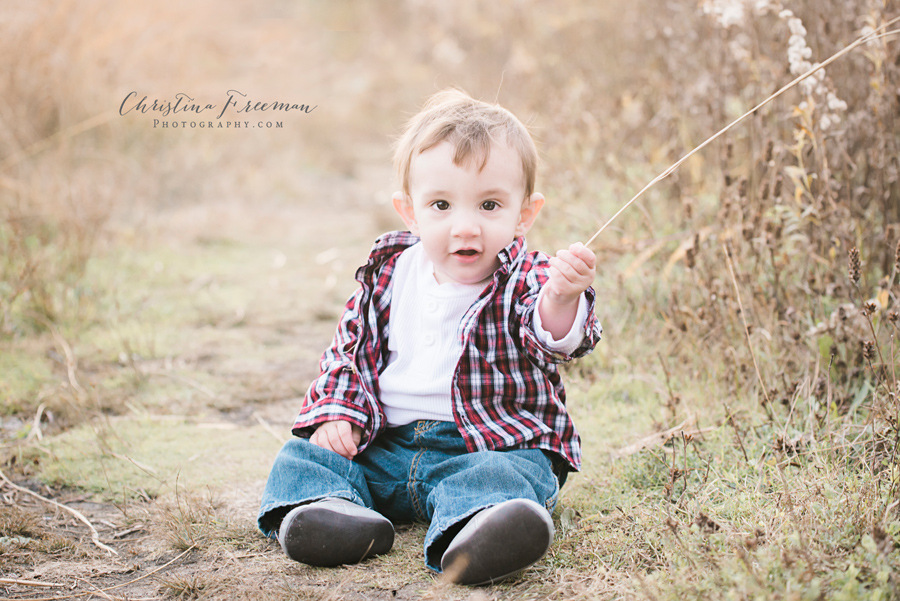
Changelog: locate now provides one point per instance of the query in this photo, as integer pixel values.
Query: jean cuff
(348, 495)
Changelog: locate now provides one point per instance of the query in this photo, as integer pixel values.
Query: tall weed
(51, 210)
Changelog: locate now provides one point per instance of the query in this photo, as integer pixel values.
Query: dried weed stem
(34, 583)
(58, 137)
(737, 292)
(71, 361)
(729, 418)
(859, 41)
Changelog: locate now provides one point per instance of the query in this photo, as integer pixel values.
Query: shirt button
(429, 339)
(432, 306)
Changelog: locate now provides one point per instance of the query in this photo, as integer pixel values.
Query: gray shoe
(498, 542)
(334, 531)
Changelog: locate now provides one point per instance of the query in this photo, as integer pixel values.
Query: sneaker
(498, 542)
(334, 531)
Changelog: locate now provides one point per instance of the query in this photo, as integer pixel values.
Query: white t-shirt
(424, 342)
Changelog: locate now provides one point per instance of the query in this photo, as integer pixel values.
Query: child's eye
(441, 205)
(489, 205)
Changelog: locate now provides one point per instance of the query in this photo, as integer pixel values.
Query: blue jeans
(418, 472)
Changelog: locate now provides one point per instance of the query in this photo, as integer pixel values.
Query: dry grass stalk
(57, 138)
(737, 292)
(71, 361)
(268, 427)
(861, 40)
(36, 431)
(34, 583)
(729, 419)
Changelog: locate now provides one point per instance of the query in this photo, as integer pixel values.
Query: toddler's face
(465, 217)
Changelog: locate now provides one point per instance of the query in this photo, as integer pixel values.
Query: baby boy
(439, 399)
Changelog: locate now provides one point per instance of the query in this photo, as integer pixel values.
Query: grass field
(165, 292)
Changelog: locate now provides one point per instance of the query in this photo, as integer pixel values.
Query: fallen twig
(30, 583)
(132, 530)
(96, 590)
(141, 466)
(95, 537)
(660, 438)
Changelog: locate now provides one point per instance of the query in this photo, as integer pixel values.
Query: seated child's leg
(318, 506)
(304, 472)
(521, 485)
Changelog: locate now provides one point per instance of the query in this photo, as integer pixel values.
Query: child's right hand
(339, 436)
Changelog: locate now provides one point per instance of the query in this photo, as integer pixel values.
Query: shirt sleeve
(572, 340)
(532, 277)
(336, 393)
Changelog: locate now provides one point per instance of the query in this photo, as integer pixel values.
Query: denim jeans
(418, 472)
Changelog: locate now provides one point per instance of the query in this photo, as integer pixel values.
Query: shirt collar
(385, 246)
(389, 244)
(512, 254)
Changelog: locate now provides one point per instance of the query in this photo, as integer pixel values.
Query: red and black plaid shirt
(506, 389)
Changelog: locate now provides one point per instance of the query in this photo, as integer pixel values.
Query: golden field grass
(165, 292)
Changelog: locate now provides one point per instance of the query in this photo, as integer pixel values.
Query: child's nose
(465, 227)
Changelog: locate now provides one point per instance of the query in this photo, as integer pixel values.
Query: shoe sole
(507, 542)
(319, 536)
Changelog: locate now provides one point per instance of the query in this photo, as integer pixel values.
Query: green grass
(24, 373)
(132, 454)
(696, 518)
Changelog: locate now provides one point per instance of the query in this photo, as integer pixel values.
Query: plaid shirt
(506, 390)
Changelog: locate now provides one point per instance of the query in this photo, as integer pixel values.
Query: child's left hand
(571, 272)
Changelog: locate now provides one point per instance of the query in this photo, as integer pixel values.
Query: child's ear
(530, 209)
(404, 207)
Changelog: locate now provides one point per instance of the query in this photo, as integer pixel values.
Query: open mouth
(467, 255)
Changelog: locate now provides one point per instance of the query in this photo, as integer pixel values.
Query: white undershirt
(424, 343)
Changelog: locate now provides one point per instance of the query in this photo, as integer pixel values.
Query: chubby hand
(571, 272)
(339, 436)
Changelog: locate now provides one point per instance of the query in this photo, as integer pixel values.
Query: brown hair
(471, 126)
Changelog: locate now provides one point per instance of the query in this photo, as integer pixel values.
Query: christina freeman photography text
(186, 104)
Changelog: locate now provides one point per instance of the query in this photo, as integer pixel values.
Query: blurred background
(614, 92)
(366, 66)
